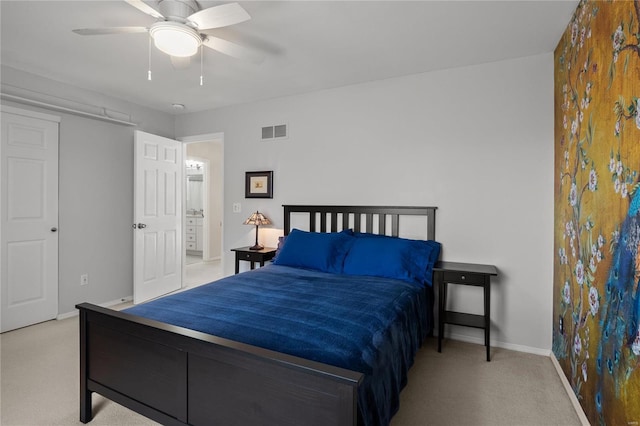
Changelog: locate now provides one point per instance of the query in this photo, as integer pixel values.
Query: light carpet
(40, 385)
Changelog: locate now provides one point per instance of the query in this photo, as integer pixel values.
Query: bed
(161, 360)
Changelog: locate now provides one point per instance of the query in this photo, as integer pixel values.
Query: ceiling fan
(177, 31)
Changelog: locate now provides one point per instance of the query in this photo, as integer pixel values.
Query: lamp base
(256, 247)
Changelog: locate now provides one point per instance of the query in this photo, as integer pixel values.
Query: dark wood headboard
(352, 217)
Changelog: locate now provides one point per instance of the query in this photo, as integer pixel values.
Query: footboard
(178, 376)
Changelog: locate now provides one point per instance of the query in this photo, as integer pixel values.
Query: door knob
(54, 229)
(141, 225)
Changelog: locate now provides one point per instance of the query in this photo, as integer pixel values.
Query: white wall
(95, 190)
(477, 142)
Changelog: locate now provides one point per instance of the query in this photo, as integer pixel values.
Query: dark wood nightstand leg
(237, 263)
(487, 316)
(442, 302)
(253, 265)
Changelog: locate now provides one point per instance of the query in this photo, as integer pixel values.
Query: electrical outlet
(84, 279)
(237, 208)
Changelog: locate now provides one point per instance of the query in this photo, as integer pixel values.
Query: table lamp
(257, 219)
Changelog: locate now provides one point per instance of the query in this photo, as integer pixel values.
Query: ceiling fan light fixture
(175, 39)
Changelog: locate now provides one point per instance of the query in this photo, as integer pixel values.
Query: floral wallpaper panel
(596, 336)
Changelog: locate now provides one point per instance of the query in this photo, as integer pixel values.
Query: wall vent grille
(279, 131)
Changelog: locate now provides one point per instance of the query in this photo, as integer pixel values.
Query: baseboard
(104, 305)
(567, 388)
(498, 344)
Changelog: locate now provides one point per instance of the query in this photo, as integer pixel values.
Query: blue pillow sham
(360, 254)
(315, 250)
(392, 257)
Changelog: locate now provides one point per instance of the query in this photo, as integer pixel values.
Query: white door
(158, 216)
(29, 204)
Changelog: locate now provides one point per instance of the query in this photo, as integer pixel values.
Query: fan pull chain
(201, 66)
(149, 71)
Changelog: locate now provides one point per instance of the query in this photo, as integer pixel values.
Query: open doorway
(197, 201)
(203, 209)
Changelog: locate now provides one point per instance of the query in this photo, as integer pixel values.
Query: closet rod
(46, 105)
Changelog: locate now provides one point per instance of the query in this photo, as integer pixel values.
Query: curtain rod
(54, 107)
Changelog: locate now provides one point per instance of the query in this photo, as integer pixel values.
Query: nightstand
(253, 256)
(445, 273)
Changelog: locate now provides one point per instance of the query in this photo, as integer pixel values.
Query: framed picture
(258, 185)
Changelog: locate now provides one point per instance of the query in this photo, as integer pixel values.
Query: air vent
(278, 131)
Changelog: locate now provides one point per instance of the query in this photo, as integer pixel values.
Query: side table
(253, 256)
(465, 274)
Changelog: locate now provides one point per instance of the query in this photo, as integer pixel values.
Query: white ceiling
(308, 45)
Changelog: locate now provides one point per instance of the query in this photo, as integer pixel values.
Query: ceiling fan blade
(232, 49)
(219, 16)
(110, 30)
(145, 8)
(180, 62)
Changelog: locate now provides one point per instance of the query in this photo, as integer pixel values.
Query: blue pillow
(315, 250)
(436, 246)
(392, 257)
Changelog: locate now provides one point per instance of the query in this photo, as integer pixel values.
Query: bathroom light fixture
(175, 39)
(192, 164)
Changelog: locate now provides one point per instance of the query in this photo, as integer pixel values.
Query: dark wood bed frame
(178, 376)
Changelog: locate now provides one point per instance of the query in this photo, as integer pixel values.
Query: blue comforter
(366, 324)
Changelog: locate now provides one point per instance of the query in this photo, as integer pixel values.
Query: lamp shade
(175, 39)
(257, 219)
